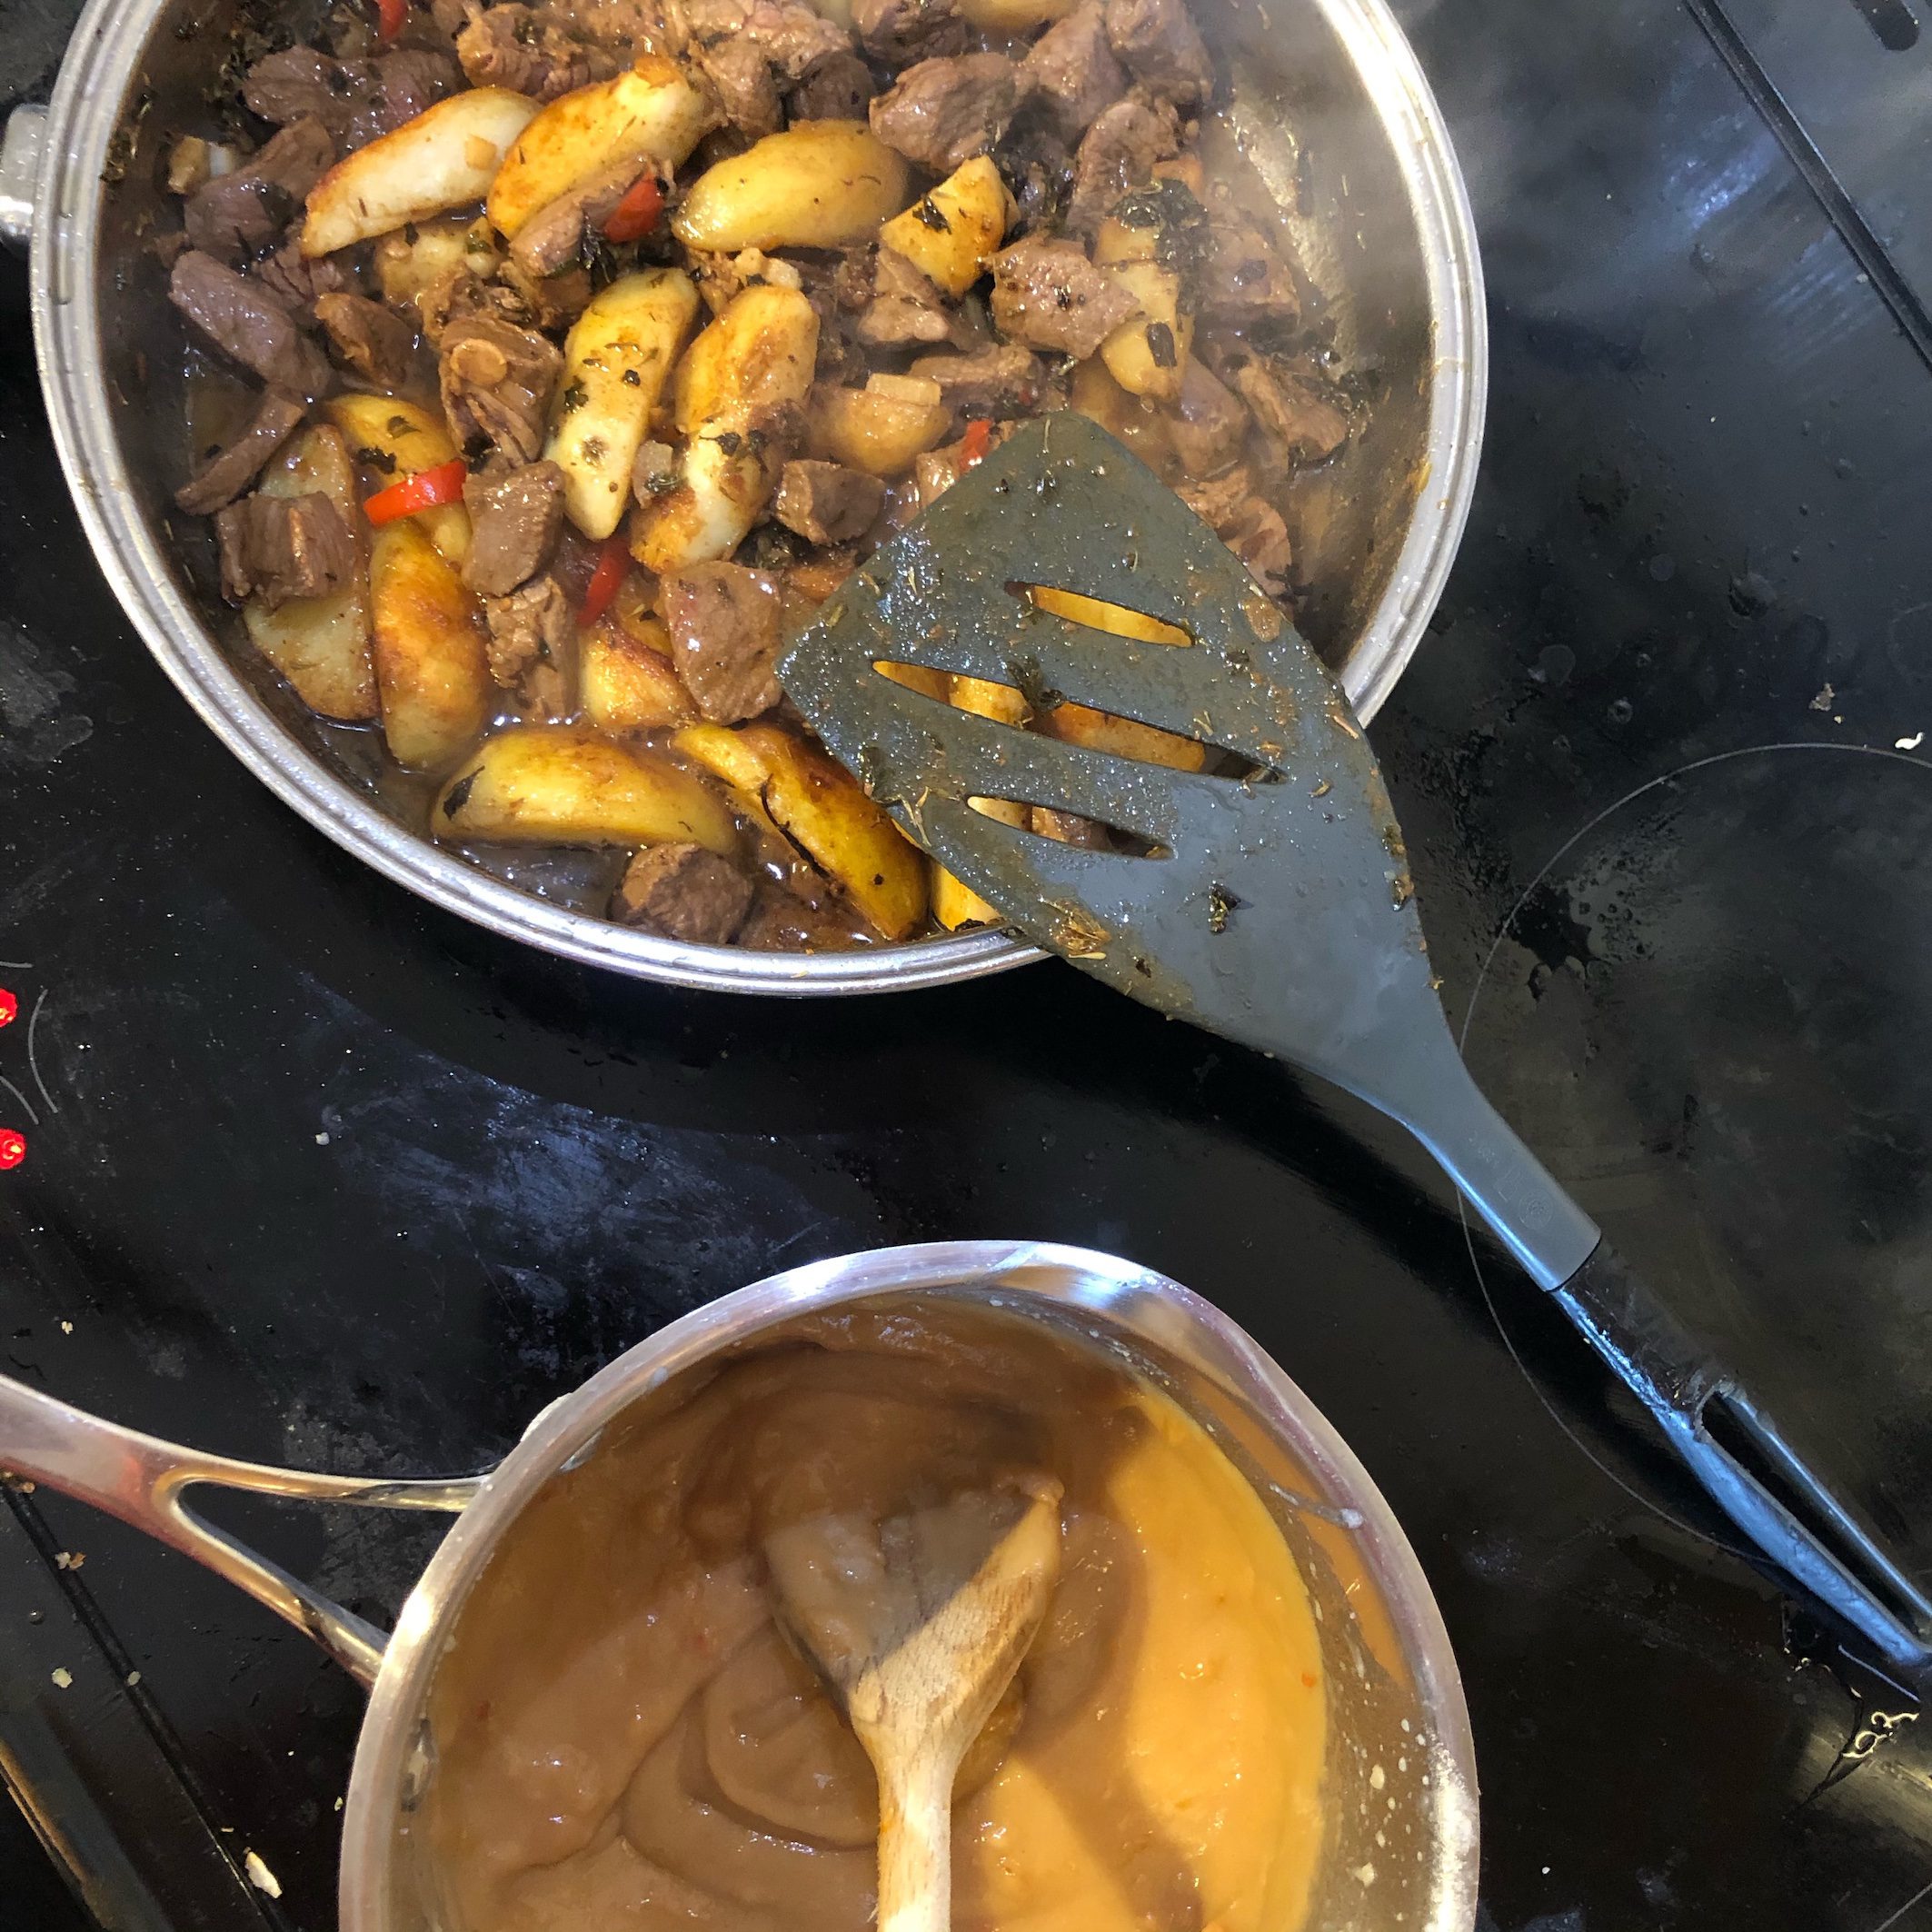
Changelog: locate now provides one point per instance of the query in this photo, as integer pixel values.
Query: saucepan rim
(83, 117)
(1075, 1278)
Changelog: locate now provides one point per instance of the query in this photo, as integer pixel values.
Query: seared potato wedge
(955, 904)
(650, 112)
(391, 440)
(756, 358)
(627, 685)
(1146, 355)
(413, 258)
(881, 427)
(320, 644)
(951, 234)
(448, 155)
(616, 361)
(431, 666)
(726, 753)
(543, 784)
(818, 803)
(819, 184)
(1012, 16)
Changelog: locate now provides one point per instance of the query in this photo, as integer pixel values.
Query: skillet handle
(142, 1480)
(1826, 1550)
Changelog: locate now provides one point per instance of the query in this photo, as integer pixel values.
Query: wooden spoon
(917, 1624)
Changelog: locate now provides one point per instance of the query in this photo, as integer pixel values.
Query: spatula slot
(1069, 828)
(1115, 619)
(1031, 704)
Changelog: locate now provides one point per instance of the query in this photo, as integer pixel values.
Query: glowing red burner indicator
(13, 1147)
(9, 1007)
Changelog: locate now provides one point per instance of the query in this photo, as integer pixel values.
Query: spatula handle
(1806, 1530)
(1774, 1498)
(916, 1848)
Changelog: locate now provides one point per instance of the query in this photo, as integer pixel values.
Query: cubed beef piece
(1119, 153)
(942, 113)
(553, 238)
(1047, 295)
(373, 341)
(1304, 423)
(1161, 47)
(1246, 278)
(788, 34)
(725, 625)
(1208, 423)
(239, 316)
(783, 921)
(684, 891)
(630, 25)
(1001, 381)
(903, 308)
(524, 49)
(298, 281)
(745, 84)
(496, 381)
(834, 87)
(238, 214)
(230, 471)
(825, 502)
(531, 630)
(896, 32)
(355, 100)
(515, 514)
(279, 547)
(1246, 521)
(1074, 70)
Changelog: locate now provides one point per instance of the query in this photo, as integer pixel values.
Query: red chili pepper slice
(391, 14)
(441, 484)
(977, 444)
(636, 215)
(614, 561)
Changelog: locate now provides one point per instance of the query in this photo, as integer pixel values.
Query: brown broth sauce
(626, 1742)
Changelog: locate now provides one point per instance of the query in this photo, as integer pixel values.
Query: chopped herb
(594, 448)
(1220, 904)
(730, 441)
(383, 460)
(1160, 345)
(1031, 685)
(458, 795)
(401, 426)
(633, 380)
(930, 216)
(756, 441)
(411, 235)
(573, 397)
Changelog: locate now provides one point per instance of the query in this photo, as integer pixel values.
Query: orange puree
(625, 1742)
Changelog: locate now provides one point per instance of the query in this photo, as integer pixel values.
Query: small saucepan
(1400, 1834)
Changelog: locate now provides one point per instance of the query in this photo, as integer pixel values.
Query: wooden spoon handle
(916, 1848)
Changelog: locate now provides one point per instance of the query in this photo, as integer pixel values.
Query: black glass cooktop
(307, 1173)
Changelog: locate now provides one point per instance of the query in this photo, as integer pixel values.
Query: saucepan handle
(20, 147)
(144, 1482)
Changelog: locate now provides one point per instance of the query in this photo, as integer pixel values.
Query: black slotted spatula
(1276, 909)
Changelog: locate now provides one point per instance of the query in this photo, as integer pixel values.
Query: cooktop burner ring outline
(1506, 931)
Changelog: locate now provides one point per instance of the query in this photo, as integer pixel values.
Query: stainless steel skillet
(1328, 105)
